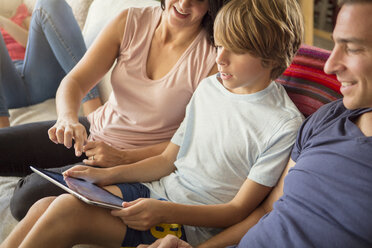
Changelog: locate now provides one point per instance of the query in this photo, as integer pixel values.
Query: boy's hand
(143, 213)
(170, 241)
(102, 154)
(98, 176)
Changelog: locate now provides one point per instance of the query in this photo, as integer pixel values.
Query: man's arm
(235, 233)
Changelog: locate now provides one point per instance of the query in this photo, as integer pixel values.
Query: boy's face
(242, 73)
(351, 58)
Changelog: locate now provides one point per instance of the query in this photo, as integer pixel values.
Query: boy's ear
(269, 63)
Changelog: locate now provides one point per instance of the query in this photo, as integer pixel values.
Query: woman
(146, 106)
(55, 45)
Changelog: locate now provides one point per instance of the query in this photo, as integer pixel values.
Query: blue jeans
(54, 47)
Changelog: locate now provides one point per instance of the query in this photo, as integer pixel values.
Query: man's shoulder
(329, 111)
(334, 110)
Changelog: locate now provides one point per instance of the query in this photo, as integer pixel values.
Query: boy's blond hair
(269, 29)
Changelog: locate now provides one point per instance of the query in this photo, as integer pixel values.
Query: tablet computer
(85, 191)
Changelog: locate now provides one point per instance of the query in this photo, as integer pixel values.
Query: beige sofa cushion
(8, 7)
(79, 8)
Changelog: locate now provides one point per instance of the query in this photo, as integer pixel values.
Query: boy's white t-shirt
(224, 139)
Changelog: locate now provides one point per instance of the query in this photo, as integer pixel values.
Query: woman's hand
(102, 154)
(170, 241)
(64, 131)
(98, 176)
(143, 213)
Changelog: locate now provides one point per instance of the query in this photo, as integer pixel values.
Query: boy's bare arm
(146, 170)
(107, 156)
(220, 215)
(235, 233)
(142, 214)
(146, 152)
(149, 169)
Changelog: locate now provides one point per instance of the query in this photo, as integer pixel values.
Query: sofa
(306, 83)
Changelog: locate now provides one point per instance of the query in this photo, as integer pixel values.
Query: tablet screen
(86, 189)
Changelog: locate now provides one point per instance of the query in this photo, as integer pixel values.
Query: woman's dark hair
(208, 20)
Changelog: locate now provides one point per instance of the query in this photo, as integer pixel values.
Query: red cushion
(16, 51)
(306, 83)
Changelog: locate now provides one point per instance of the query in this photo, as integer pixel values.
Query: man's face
(351, 58)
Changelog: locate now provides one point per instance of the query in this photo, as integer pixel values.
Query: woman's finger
(80, 140)
(52, 134)
(89, 145)
(60, 133)
(68, 135)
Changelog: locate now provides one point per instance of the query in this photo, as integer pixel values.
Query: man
(326, 197)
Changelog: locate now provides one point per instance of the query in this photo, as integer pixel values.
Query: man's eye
(352, 50)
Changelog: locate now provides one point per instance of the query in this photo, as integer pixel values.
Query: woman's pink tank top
(141, 111)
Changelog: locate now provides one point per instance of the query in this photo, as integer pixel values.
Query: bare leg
(69, 221)
(16, 237)
(4, 121)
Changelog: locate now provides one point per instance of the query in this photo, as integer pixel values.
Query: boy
(224, 159)
(325, 199)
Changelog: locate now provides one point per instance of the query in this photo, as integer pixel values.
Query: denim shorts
(133, 238)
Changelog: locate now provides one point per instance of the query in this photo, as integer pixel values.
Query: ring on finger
(93, 157)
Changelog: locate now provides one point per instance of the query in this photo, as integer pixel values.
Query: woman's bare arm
(83, 77)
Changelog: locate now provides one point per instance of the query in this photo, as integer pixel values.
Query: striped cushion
(306, 83)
